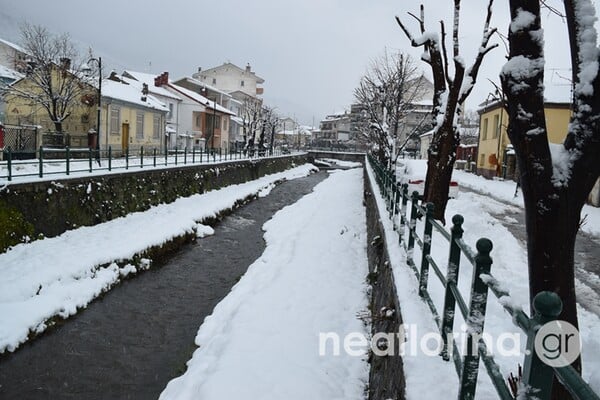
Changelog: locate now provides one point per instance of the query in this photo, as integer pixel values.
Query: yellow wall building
(23, 107)
(494, 150)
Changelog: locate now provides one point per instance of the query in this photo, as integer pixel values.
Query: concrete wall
(49, 208)
(314, 154)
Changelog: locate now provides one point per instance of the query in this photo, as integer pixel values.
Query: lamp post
(99, 61)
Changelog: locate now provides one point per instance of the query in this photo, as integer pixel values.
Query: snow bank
(57, 276)
(262, 340)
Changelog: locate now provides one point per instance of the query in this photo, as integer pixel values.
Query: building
(205, 122)
(13, 56)
(495, 155)
(174, 138)
(334, 128)
(131, 118)
(231, 78)
(25, 106)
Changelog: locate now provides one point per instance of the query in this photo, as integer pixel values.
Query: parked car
(413, 172)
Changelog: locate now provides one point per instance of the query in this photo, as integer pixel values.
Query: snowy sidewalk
(58, 276)
(262, 340)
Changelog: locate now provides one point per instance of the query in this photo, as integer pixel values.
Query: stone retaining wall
(386, 378)
(49, 208)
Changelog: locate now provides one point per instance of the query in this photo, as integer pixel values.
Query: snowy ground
(42, 279)
(509, 267)
(261, 342)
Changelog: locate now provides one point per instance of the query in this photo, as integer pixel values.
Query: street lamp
(99, 61)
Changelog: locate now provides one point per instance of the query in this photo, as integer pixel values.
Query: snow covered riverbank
(58, 276)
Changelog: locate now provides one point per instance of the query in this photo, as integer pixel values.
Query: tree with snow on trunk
(450, 93)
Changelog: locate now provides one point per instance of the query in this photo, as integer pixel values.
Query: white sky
(311, 53)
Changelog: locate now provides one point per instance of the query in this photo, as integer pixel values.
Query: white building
(231, 78)
(201, 121)
(13, 56)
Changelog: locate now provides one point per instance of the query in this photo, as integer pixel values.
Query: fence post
(9, 163)
(68, 156)
(110, 158)
(412, 223)
(90, 159)
(424, 274)
(154, 157)
(141, 156)
(475, 320)
(403, 212)
(193, 155)
(176, 153)
(185, 155)
(166, 157)
(41, 160)
(537, 375)
(451, 279)
(126, 157)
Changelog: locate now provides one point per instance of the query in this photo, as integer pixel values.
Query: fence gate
(21, 139)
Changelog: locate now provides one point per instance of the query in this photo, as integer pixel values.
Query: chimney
(162, 79)
(65, 63)
(145, 91)
(248, 68)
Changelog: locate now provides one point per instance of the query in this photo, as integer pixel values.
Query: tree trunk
(440, 164)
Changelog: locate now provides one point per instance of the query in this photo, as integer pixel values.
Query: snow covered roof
(200, 99)
(148, 79)
(6, 72)
(130, 94)
(199, 83)
(14, 46)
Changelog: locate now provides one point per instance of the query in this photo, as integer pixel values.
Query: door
(124, 136)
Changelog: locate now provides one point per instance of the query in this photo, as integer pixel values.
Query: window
(242, 83)
(224, 124)
(156, 126)
(484, 130)
(115, 120)
(139, 125)
(214, 81)
(170, 114)
(482, 160)
(496, 126)
(198, 121)
(85, 118)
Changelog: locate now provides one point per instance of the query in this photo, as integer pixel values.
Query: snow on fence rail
(67, 160)
(537, 375)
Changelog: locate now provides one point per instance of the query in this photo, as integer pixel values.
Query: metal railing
(537, 375)
(66, 161)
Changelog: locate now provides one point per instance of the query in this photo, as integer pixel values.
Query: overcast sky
(311, 53)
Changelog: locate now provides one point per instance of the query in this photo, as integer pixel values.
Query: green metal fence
(537, 376)
(67, 161)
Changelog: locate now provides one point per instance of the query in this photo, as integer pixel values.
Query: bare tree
(271, 121)
(53, 78)
(450, 93)
(555, 180)
(251, 116)
(387, 93)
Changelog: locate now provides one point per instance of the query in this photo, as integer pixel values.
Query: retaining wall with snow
(386, 378)
(49, 208)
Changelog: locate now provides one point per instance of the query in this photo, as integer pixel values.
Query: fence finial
(547, 304)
